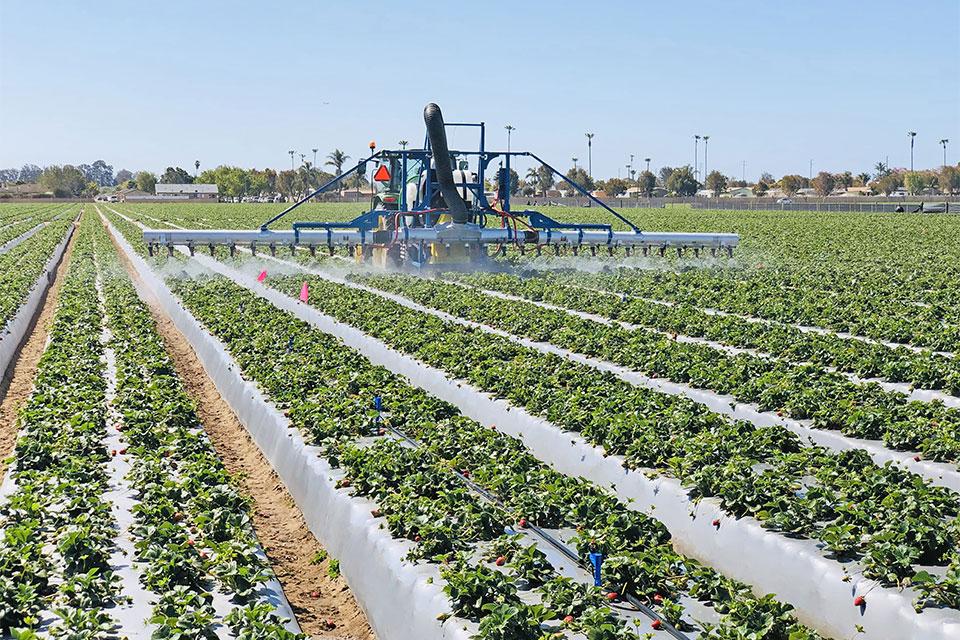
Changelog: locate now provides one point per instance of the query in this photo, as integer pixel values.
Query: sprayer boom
(428, 213)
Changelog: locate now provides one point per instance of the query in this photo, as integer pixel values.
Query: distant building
(842, 192)
(124, 195)
(739, 192)
(188, 191)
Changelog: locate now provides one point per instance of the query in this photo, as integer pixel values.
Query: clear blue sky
(144, 85)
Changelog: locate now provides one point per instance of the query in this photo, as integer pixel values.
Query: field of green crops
(760, 447)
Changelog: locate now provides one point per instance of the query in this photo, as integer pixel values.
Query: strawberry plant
(416, 490)
(704, 450)
(801, 391)
(192, 526)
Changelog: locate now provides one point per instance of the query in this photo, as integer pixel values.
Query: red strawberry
(656, 624)
(375, 513)
(314, 594)
(113, 452)
(567, 619)
(416, 538)
(859, 601)
(916, 458)
(190, 542)
(658, 598)
(716, 522)
(523, 523)
(345, 482)
(178, 516)
(501, 561)
(330, 624)
(466, 473)
(203, 555)
(612, 596)
(123, 451)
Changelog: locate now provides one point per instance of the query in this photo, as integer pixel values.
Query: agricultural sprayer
(432, 209)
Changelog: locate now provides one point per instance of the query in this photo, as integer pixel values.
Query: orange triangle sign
(382, 174)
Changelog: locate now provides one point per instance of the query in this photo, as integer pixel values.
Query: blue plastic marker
(596, 559)
(378, 405)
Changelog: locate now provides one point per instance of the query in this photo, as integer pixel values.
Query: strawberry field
(762, 447)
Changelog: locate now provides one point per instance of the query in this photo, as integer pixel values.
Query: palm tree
(336, 159)
(403, 144)
(533, 177)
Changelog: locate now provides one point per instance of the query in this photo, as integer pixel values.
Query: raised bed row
(829, 401)
(55, 560)
(111, 466)
(699, 526)
(289, 360)
(192, 527)
(900, 323)
(753, 471)
(863, 359)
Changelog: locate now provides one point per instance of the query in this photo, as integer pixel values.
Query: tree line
(87, 180)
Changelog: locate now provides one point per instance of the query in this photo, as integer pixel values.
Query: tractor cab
(388, 182)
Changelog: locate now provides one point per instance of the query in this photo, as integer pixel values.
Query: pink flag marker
(262, 276)
(304, 292)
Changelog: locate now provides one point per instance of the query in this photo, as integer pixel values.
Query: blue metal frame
(371, 220)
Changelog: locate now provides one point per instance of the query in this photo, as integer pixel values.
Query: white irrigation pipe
(821, 589)
(402, 600)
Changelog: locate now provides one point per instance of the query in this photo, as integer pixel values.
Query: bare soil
(17, 385)
(316, 598)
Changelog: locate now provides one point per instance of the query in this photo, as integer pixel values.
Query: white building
(188, 191)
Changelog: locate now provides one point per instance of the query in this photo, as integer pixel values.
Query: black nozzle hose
(441, 161)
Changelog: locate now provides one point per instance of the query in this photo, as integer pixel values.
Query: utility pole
(911, 135)
(696, 158)
(705, 174)
(743, 170)
(589, 154)
(810, 170)
(510, 129)
(647, 160)
(943, 143)
(291, 159)
(314, 157)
